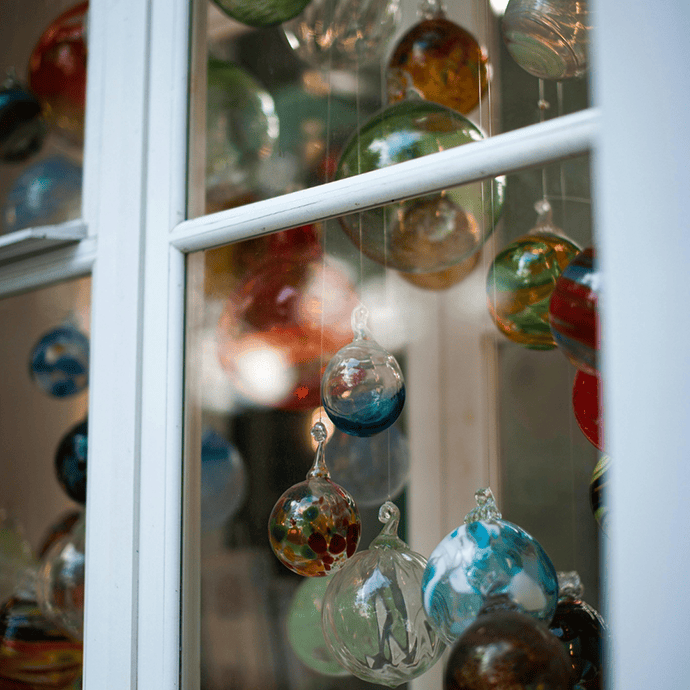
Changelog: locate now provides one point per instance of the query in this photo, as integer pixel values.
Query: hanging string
(543, 106)
(559, 96)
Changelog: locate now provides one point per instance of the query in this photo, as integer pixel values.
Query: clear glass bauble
(22, 127)
(16, 556)
(429, 233)
(261, 12)
(343, 34)
(485, 557)
(373, 619)
(71, 461)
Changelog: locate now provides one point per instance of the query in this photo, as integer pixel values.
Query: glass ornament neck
(319, 469)
(570, 587)
(389, 515)
(432, 9)
(486, 510)
(498, 602)
(360, 316)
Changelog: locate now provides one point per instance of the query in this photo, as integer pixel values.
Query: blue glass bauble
(70, 462)
(59, 362)
(22, 127)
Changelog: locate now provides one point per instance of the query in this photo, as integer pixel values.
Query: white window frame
(137, 239)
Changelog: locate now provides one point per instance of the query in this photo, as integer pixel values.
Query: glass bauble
(60, 528)
(22, 127)
(573, 315)
(315, 526)
(505, 649)
(57, 72)
(261, 12)
(598, 486)
(442, 280)
(363, 391)
(16, 556)
(71, 462)
(582, 633)
(304, 628)
(587, 407)
(60, 581)
(373, 619)
(343, 34)
(486, 556)
(371, 469)
(548, 38)
(223, 480)
(441, 62)
(59, 361)
(270, 336)
(522, 278)
(432, 232)
(241, 131)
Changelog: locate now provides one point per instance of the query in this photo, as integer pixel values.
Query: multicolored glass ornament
(439, 61)
(372, 469)
(573, 315)
(373, 619)
(484, 557)
(314, 526)
(582, 632)
(505, 649)
(261, 12)
(343, 34)
(433, 232)
(304, 628)
(22, 127)
(548, 38)
(57, 72)
(223, 480)
(522, 278)
(363, 391)
(587, 407)
(46, 193)
(442, 280)
(60, 581)
(59, 362)
(597, 492)
(70, 462)
(16, 556)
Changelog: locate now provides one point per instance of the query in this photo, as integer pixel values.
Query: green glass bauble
(262, 12)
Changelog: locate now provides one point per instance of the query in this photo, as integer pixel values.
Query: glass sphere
(16, 556)
(597, 492)
(548, 38)
(62, 527)
(521, 280)
(362, 390)
(343, 34)
(57, 72)
(22, 127)
(373, 619)
(223, 480)
(587, 407)
(573, 315)
(60, 581)
(315, 526)
(70, 462)
(505, 649)
(442, 280)
(484, 557)
(261, 12)
(430, 233)
(241, 131)
(46, 193)
(441, 62)
(304, 628)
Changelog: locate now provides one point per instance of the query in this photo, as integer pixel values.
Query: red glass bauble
(587, 407)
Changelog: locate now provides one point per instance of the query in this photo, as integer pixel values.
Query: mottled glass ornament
(573, 315)
(22, 127)
(57, 72)
(548, 38)
(373, 619)
(261, 12)
(372, 469)
(304, 628)
(362, 391)
(486, 556)
(505, 649)
(582, 633)
(522, 278)
(59, 362)
(60, 581)
(241, 131)
(597, 492)
(442, 280)
(71, 461)
(46, 193)
(343, 34)
(314, 526)
(15, 555)
(439, 61)
(429, 233)
(223, 480)
(587, 407)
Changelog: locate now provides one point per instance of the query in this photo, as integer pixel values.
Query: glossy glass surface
(373, 619)
(597, 491)
(587, 400)
(261, 12)
(71, 461)
(22, 127)
(16, 556)
(442, 280)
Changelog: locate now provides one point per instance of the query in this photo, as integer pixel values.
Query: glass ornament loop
(431, 9)
(319, 469)
(570, 585)
(360, 316)
(486, 509)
